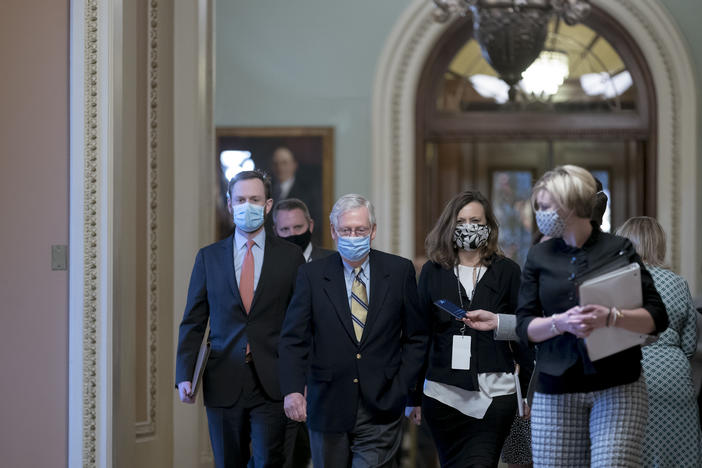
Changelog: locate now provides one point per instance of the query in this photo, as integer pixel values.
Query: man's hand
(482, 320)
(414, 414)
(295, 407)
(185, 391)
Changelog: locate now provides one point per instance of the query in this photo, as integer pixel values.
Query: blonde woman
(584, 413)
(673, 431)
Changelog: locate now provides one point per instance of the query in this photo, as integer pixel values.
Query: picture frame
(312, 149)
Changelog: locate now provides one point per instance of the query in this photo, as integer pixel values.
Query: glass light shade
(546, 74)
(490, 87)
(235, 161)
(602, 84)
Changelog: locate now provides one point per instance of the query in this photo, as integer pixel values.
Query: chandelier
(546, 74)
(512, 33)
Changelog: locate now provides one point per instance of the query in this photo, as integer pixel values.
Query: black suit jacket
(214, 293)
(318, 347)
(319, 253)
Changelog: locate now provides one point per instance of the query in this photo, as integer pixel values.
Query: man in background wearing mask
(292, 222)
(353, 335)
(242, 285)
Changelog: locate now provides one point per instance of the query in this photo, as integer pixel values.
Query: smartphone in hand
(451, 308)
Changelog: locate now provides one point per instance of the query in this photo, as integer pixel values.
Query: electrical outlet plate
(59, 257)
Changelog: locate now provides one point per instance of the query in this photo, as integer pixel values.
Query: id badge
(460, 355)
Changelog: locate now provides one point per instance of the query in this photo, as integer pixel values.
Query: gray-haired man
(355, 336)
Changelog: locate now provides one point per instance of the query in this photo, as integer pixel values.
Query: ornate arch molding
(394, 93)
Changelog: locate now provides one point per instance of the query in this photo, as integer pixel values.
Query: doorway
(470, 135)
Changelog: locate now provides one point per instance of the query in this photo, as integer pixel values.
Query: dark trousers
(254, 418)
(368, 445)
(297, 445)
(463, 441)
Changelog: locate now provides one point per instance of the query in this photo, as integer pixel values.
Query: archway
(647, 22)
(602, 117)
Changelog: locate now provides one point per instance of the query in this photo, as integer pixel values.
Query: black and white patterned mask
(470, 236)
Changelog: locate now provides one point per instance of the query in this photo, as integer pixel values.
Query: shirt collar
(349, 269)
(307, 252)
(240, 239)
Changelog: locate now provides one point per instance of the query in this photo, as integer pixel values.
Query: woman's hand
(571, 322)
(582, 320)
(482, 320)
(592, 317)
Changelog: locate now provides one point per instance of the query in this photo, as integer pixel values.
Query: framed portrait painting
(298, 159)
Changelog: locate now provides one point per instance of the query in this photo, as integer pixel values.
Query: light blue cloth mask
(353, 249)
(248, 217)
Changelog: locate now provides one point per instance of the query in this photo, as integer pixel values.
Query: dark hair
(255, 174)
(439, 243)
(600, 204)
(290, 204)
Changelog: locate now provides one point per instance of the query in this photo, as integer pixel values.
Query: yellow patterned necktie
(359, 303)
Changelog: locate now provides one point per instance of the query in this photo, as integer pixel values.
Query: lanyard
(476, 277)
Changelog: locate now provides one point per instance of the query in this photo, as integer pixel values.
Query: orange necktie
(246, 282)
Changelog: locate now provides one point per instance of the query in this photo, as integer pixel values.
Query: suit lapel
(335, 288)
(229, 269)
(486, 285)
(379, 287)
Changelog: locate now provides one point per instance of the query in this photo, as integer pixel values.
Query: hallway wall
(312, 63)
(304, 63)
(34, 208)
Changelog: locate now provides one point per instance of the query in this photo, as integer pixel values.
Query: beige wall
(34, 215)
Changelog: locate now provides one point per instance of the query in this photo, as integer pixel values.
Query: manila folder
(200, 365)
(619, 288)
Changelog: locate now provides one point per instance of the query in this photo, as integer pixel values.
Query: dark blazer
(318, 253)
(318, 347)
(214, 293)
(497, 292)
(550, 285)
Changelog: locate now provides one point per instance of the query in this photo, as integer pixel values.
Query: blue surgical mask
(353, 249)
(248, 217)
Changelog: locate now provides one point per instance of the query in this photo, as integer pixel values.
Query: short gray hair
(349, 202)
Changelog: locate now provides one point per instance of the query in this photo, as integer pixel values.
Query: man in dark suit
(242, 285)
(353, 336)
(292, 222)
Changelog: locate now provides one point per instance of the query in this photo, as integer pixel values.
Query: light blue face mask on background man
(353, 248)
(248, 217)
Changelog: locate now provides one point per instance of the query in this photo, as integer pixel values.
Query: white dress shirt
(308, 252)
